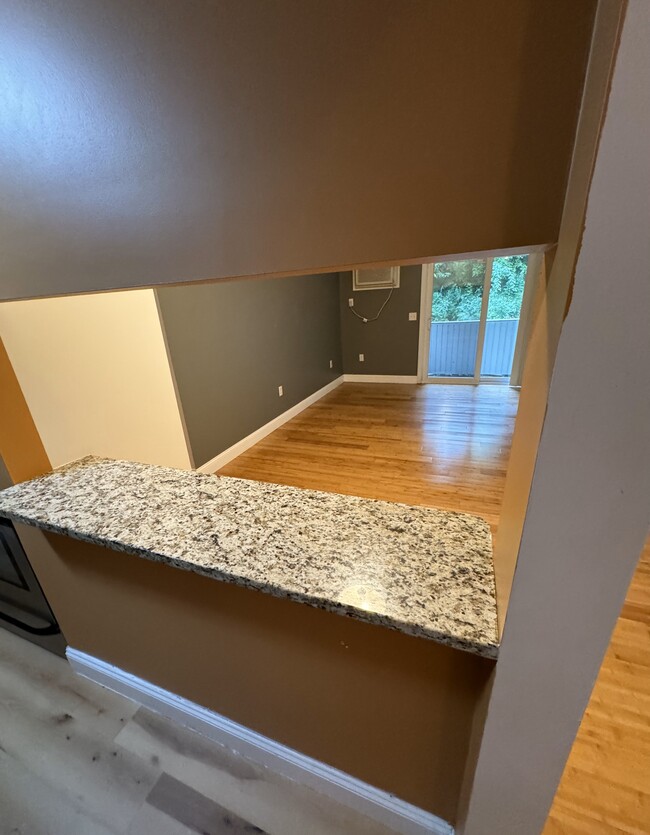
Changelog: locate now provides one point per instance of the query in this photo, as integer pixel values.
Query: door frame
(426, 300)
(537, 267)
(426, 295)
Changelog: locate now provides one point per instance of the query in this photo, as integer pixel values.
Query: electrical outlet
(280, 391)
(361, 358)
(350, 302)
(331, 363)
(413, 317)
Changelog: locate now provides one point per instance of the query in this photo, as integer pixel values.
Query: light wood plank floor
(76, 759)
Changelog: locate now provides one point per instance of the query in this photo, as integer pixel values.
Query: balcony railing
(452, 348)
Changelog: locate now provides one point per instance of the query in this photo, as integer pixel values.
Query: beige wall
(151, 141)
(588, 514)
(391, 709)
(95, 375)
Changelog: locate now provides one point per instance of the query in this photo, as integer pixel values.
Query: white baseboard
(250, 440)
(380, 378)
(380, 806)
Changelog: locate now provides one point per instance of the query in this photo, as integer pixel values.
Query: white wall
(95, 375)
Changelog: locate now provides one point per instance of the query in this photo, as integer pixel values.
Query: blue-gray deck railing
(452, 348)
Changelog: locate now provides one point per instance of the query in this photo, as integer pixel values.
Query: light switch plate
(413, 317)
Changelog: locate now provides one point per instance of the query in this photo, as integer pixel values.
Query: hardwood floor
(441, 446)
(605, 789)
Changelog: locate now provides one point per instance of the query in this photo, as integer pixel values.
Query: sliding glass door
(507, 283)
(474, 306)
(458, 292)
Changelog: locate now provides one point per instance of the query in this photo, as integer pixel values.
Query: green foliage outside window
(458, 289)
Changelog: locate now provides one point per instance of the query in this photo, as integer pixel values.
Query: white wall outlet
(413, 317)
(362, 358)
(331, 363)
(350, 302)
(280, 391)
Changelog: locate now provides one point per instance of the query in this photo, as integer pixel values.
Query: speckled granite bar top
(421, 571)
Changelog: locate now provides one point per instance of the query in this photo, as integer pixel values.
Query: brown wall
(155, 141)
(388, 708)
(389, 345)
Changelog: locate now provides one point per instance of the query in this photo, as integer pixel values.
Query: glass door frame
(426, 303)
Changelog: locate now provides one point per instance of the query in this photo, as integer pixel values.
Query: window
(381, 278)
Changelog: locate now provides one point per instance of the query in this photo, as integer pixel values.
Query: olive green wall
(389, 345)
(5, 478)
(233, 343)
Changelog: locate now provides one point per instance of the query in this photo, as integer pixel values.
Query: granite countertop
(418, 570)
